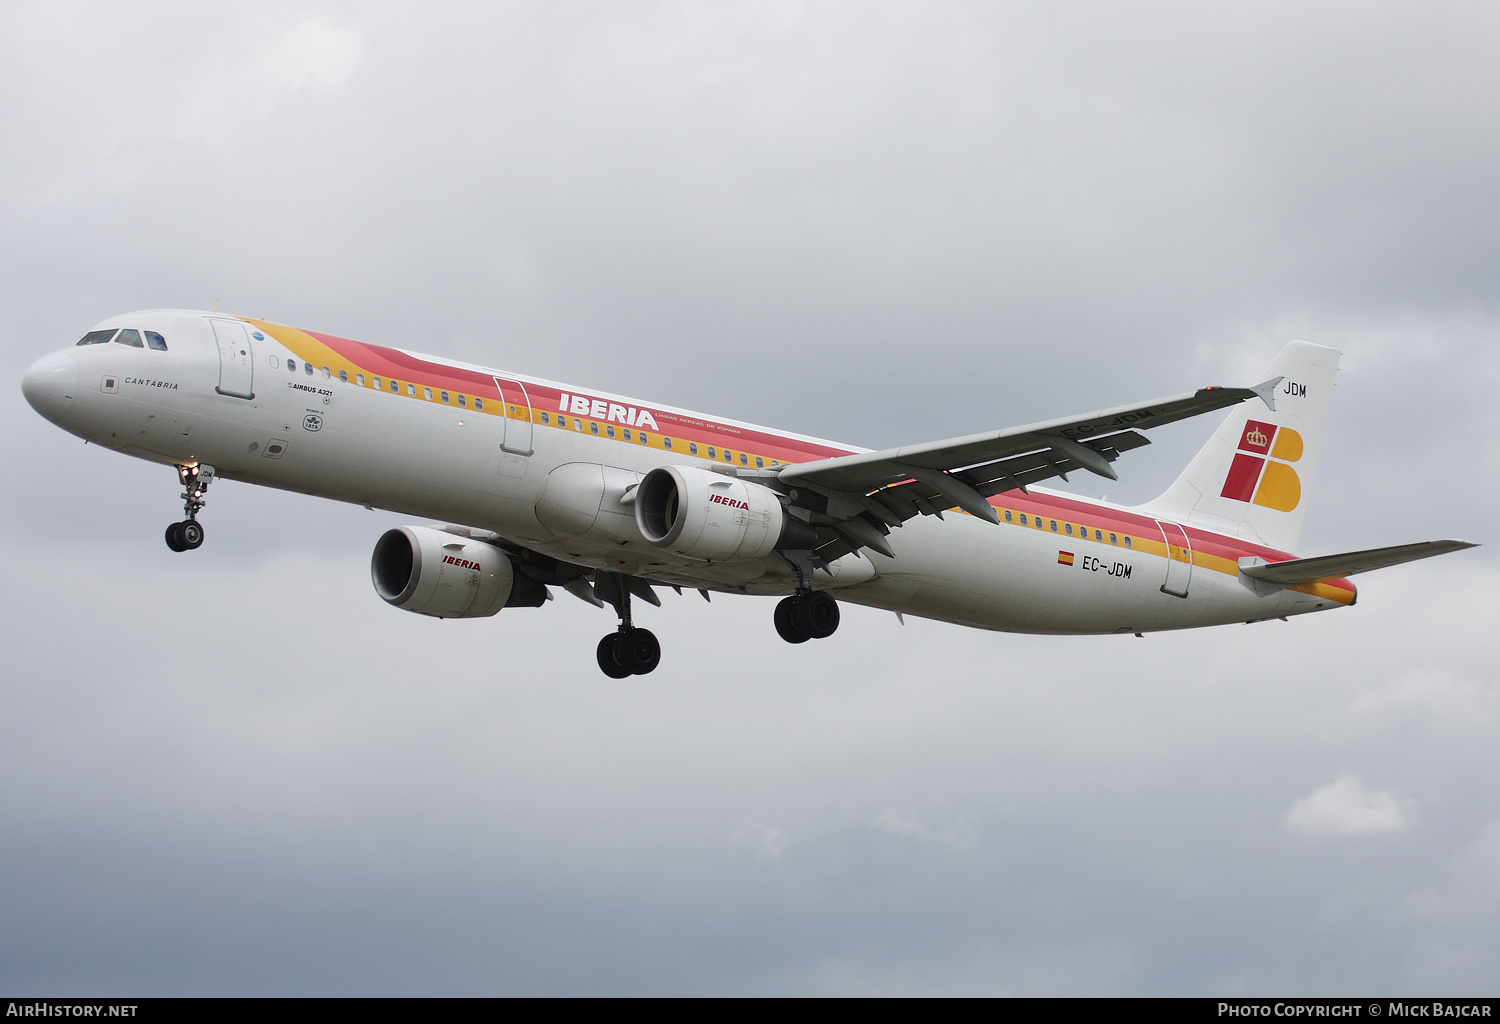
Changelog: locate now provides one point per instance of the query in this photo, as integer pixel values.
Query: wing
(855, 499)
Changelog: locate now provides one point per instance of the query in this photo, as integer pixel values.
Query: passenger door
(236, 359)
(1179, 559)
(516, 418)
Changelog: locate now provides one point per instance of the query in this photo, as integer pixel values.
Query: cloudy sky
(240, 772)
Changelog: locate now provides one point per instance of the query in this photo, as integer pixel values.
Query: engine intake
(431, 572)
(698, 514)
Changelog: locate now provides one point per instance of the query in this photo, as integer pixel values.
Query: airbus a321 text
(537, 485)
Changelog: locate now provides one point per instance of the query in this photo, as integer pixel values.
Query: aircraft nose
(49, 384)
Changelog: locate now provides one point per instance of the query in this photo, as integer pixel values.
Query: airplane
(535, 485)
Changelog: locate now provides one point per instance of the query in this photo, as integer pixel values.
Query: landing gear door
(236, 361)
(1179, 559)
(515, 419)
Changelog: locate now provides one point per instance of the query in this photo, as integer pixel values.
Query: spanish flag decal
(1065, 558)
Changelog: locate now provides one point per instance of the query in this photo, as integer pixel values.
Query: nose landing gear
(807, 615)
(188, 534)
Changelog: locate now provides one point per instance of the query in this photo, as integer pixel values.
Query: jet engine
(698, 514)
(432, 572)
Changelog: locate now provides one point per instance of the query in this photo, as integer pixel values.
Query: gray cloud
(240, 772)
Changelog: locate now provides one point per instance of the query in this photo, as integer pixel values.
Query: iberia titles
(612, 412)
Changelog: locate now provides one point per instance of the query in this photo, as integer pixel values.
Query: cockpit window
(97, 337)
(155, 341)
(130, 336)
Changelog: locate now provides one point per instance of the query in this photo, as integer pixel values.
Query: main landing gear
(630, 650)
(188, 534)
(807, 615)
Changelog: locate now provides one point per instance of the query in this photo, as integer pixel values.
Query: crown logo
(1256, 438)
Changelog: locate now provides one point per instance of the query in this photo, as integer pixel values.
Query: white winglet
(1267, 391)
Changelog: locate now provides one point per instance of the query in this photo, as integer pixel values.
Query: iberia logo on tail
(1261, 472)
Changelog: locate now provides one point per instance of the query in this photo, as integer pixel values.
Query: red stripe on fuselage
(404, 366)
(387, 362)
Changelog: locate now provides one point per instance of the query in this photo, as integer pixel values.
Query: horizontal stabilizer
(1331, 567)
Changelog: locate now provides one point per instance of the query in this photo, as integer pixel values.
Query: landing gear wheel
(190, 533)
(785, 626)
(816, 614)
(608, 663)
(638, 650)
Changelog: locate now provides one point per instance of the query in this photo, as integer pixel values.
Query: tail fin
(1248, 480)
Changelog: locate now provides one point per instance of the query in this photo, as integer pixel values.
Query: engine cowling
(431, 572)
(698, 514)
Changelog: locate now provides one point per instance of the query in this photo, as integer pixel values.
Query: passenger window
(479, 405)
(97, 337)
(427, 394)
(593, 426)
(1098, 536)
(359, 379)
(156, 341)
(711, 453)
(1053, 524)
(642, 438)
(1112, 539)
(1007, 516)
(130, 337)
(1036, 521)
(344, 376)
(545, 420)
(411, 391)
(307, 369)
(444, 396)
(610, 430)
(275, 363)
(1023, 519)
(627, 435)
(325, 372)
(728, 455)
(744, 459)
(1068, 529)
(692, 447)
(395, 387)
(1127, 542)
(291, 365)
(667, 443)
(462, 402)
(760, 463)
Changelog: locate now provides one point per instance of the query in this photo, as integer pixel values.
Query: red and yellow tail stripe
(362, 364)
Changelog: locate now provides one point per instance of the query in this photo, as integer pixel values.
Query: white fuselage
(537, 465)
